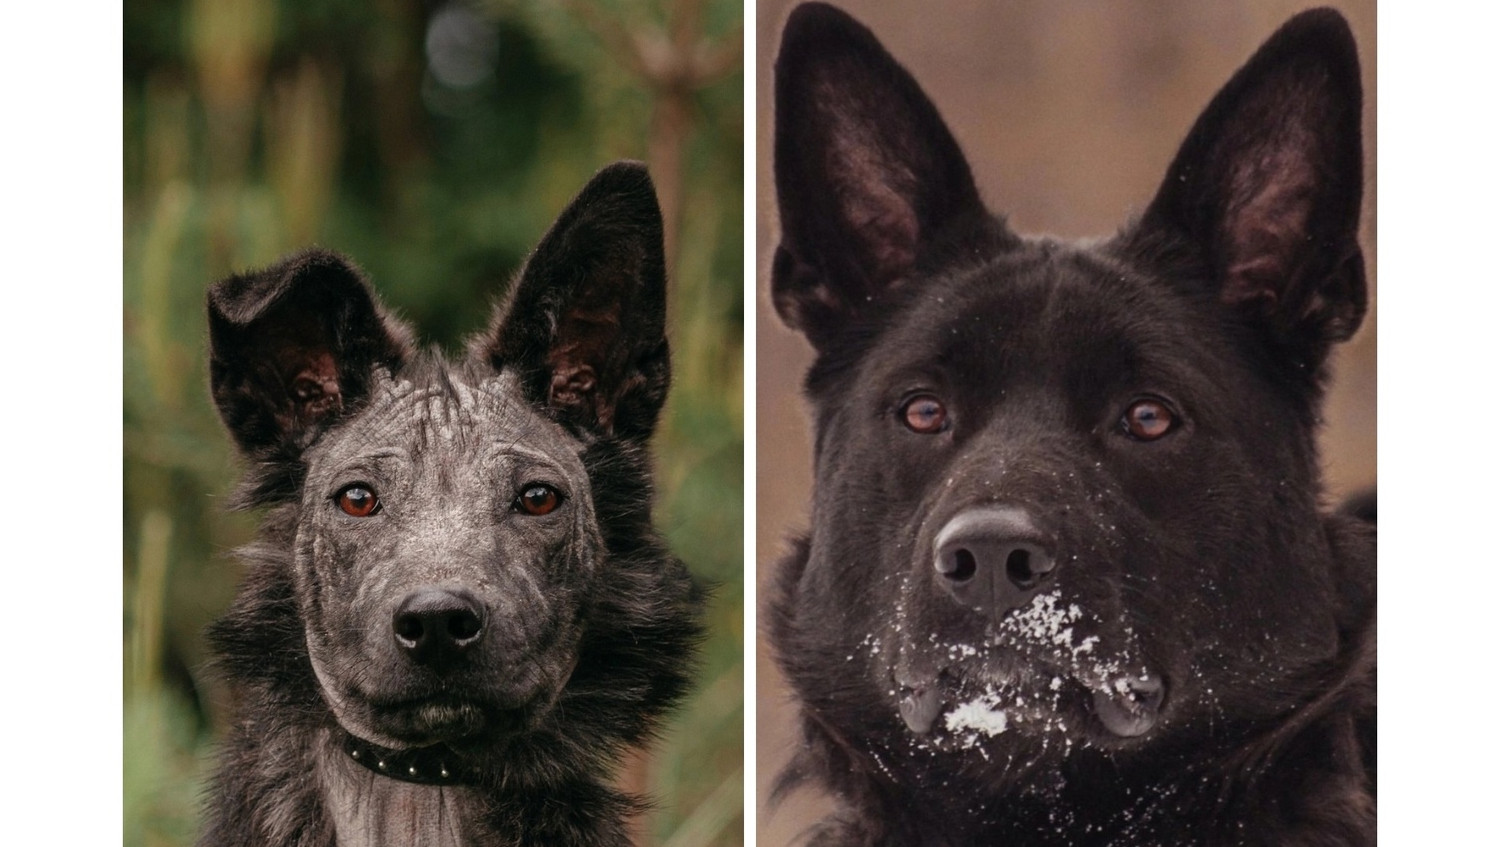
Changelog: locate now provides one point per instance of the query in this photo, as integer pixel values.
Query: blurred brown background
(1069, 111)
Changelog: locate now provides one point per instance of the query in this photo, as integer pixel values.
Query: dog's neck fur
(368, 810)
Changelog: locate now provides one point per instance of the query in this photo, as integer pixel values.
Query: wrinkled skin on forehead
(447, 458)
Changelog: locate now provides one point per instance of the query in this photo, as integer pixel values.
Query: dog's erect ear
(294, 347)
(585, 323)
(867, 174)
(1267, 186)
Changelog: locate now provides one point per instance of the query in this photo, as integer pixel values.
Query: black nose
(433, 625)
(993, 559)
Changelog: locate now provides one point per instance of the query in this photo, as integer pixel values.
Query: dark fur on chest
(506, 598)
(1068, 578)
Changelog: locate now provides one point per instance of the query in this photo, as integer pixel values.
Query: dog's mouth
(442, 714)
(441, 720)
(1037, 671)
(1127, 707)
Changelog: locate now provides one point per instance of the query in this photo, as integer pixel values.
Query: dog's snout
(436, 624)
(993, 559)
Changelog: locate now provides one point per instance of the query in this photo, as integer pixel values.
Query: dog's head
(451, 527)
(1066, 493)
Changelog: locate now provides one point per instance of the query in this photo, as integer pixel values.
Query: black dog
(1067, 580)
(458, 613)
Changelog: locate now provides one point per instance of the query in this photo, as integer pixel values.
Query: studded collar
(435, 765)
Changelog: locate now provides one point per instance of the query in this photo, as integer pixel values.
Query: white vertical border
(61, 233)
(1439, 413)
(751, 285)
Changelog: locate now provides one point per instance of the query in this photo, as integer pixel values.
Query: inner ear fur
(1267, 186)
(585, 323)
(868, 177)
(294, 347)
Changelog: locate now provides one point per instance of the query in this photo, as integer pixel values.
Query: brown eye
(358, 501)
(925, 414)
(1148, 420)
(538, 499)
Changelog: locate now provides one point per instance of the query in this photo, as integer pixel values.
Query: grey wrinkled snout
(993, 559)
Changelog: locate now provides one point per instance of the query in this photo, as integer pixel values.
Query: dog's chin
(460, 723)
(418, 710)
(406, 720)
(445, 721)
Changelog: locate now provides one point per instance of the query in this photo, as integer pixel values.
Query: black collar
(435, 765)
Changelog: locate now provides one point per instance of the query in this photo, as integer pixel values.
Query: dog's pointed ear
(1266, 188)
(867, 173)
(294, 347)
(585, 322)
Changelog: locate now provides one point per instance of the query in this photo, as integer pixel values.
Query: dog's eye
(925, 414)
(538, 499)
(358, 501)
(1148, 420)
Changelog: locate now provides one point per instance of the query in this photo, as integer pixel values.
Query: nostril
(409, 629)
(964, 565)
(1018, 568)
(1027, 568)
(463, 626)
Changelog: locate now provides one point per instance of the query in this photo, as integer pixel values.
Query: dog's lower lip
(920, 706)
(444, 713)
(432, 720)
(1131, 707)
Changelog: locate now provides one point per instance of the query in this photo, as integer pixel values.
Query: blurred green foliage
(433, 142)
